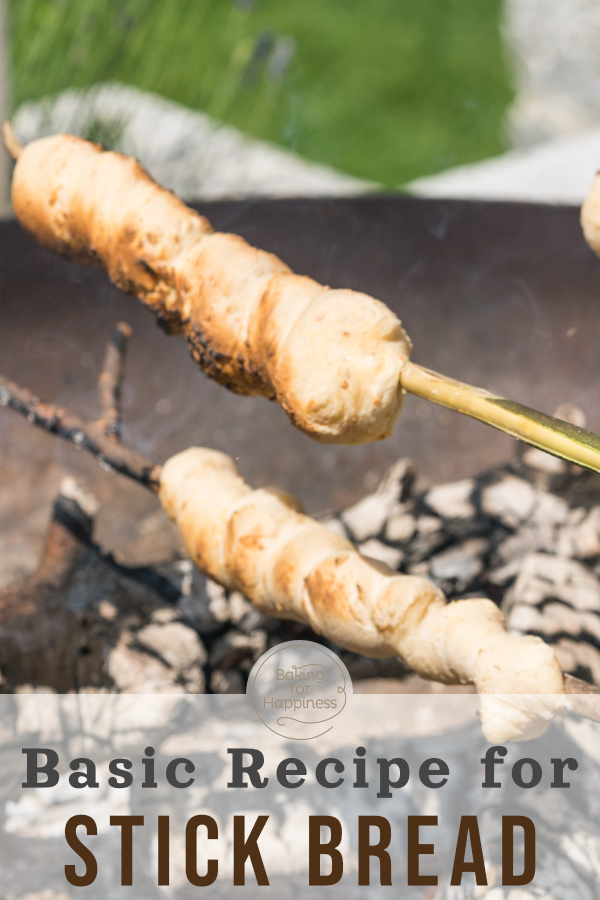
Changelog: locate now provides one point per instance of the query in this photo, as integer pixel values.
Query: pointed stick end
(11, 141)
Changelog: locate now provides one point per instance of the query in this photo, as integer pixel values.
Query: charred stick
(88, 436)
(109, 383)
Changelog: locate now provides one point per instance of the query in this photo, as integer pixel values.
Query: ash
(526, 534)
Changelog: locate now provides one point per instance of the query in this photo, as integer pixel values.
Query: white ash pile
(526, 534)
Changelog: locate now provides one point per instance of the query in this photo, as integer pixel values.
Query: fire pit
(493, 294)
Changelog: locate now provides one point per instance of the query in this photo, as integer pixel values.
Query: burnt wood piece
(54, 630)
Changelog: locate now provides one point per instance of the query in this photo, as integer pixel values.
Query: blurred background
(242, 97)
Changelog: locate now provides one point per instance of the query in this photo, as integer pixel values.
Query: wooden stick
(88, 436)
(11, 141)
(109, 383)
(559, 438)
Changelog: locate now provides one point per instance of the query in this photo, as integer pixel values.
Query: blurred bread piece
(590, 216)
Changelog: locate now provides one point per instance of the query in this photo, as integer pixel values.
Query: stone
(183, 149)
(454, 500)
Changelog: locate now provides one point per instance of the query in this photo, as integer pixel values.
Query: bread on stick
(332, 358)
(590, 216)
(288, 565)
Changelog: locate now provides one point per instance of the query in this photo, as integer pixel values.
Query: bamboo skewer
(569, 442)
(555, 436)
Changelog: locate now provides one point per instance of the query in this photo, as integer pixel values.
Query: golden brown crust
(332, 358)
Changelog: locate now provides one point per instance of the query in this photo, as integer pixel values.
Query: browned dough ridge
(332, 358)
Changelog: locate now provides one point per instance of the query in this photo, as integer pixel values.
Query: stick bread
(288, 565)
(332, 358)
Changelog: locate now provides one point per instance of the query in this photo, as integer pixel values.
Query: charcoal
(580, 538)
(461, 565)
(391, 556)
(534, 536)
(161, 658)
(234, 649)
(454, 500)
(367, 518)
(429, 537)
(400, 527)
(230, 681)
(203, 603)
(544, 577)
(510, 500)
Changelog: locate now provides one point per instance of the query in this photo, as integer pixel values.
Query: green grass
(387, 90)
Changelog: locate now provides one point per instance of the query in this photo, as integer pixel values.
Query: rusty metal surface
(506, 296)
